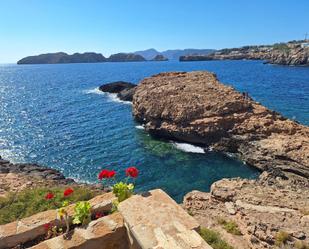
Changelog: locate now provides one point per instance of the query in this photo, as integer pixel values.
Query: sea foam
(111, 96)
(189, 147)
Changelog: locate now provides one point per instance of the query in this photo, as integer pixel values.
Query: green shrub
(31, 201)
(230, 226)
(213, 238)
(281, 238)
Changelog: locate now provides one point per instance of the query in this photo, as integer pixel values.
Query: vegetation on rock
(213, 238)
(230, 226)
(31, 201)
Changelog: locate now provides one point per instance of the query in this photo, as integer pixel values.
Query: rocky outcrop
(124, 90)
(125, 57)
(261, 209)
(292, 53)
(55, 58)
(159, 57)
(196, 108)
(18, 176)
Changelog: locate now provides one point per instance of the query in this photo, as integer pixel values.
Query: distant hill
(54, 58)
(90, 57)
(173, 54)
(148, 54)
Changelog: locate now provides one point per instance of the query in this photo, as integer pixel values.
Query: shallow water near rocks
(55, 116)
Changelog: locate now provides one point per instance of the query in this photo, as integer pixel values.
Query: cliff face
(282, 54)
(195, 107)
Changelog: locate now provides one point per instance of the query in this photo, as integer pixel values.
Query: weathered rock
(195, 107)
(124, 90)
(154, 220)
(262, 209)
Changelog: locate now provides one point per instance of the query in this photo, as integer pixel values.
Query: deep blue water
(53, 115)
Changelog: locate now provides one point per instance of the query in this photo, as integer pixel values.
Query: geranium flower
(111, 174)
(103, 174)
(49, 196)
(67, 192)
(132, 171)
(99, 215)
(106, 174)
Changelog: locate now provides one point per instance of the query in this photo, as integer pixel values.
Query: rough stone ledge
(29, 228)
(154, 220)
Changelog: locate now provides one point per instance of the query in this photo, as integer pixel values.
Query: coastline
(18, 176)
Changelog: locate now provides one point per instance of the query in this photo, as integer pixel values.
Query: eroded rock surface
(195, 107)
(261, 209)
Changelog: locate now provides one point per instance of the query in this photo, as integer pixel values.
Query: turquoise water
(53, 115)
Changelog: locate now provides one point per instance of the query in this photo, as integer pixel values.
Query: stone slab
(155, 220)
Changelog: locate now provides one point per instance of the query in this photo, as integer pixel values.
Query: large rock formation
(195, 107)
(124, 90)
(261, 209)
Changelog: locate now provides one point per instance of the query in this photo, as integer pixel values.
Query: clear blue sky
(29, 27)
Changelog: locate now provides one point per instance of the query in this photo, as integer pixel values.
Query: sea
(54, 115)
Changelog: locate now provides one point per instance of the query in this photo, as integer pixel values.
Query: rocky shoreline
(196, 108)
(291, 53)
(19, 176)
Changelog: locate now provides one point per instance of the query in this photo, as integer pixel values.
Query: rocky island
(290, 53)
(159, 57)
(56, 58)
(124, 57)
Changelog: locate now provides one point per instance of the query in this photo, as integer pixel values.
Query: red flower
(106, 174)
(49, 196)
(99, 215)
(103, 174)
(67, 192)
(111, 174)
(132, 171)
(47, 226)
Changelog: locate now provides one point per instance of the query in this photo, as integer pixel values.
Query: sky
(30, 27)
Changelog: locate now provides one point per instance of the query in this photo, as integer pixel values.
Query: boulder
(196, 108)
(124, 90)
